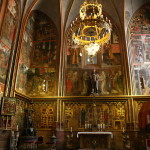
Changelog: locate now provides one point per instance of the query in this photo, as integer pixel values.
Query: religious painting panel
(101, 81)
(8, 106)
(95, 116)
(139, 44)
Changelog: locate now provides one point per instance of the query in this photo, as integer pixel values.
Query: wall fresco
(10, 22)
(79, 71)
(80, 82)
(7, 35)
(4, 60)
(139, 49)
(37, 65)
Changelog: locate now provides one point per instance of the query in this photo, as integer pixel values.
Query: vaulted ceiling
(62, 12)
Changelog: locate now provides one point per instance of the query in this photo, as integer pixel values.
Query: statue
(102, 80)
(94, 81)
(29, 129)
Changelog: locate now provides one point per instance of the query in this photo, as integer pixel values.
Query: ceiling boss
(91, 30)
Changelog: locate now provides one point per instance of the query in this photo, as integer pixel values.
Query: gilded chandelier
(91, 30)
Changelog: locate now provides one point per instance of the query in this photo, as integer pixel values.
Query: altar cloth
(95, 133)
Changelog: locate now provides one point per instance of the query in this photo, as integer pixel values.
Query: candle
(17, 128)
(85, 126)
(103, 126)
(123, 130)
(71, 129)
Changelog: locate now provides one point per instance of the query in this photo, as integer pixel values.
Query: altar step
(95, 149)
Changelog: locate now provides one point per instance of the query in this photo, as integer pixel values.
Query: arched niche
(138, 45)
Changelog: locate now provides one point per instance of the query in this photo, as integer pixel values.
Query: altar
(95, 140)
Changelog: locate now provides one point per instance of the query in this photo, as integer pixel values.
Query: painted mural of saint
(75, 59)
